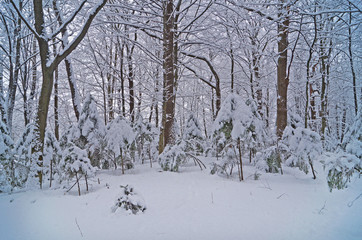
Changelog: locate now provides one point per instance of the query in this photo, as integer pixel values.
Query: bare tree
(168, 109)
(49, 64)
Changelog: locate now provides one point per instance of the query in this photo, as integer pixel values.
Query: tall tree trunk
(56, 109)
(232, 69)
(68, 66)
(308, 85)
(351, 61)
(13, 83)
(121, 90)
(2, 98)
(130, 50)
(168, 108)
(324, 90)
(34, 79)
(282, 80)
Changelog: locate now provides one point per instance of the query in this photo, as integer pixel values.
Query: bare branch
(68, 49)
(24, 20)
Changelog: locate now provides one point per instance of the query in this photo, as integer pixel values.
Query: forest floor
(191, 204)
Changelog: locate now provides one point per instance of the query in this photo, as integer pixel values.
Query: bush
(172, 158)
(341, 167)
(129, 200)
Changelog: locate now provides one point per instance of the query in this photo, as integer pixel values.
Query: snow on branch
(24, 20)
(68, 49)
(68, 21)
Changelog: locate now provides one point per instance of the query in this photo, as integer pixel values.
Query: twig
(267, 186)
(196, 160)
(351, 203)
(323, 208)
(280, 196)
(74, 184)
(76, 222)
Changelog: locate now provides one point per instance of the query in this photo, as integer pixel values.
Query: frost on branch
(129, 200)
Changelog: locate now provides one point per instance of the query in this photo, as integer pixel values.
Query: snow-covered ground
(191, 204)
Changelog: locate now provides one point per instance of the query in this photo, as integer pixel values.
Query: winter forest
(180, 119)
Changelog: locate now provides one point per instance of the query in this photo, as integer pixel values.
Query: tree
(119, 138)
(168, 108)
(282, 76)
(238, 127)
(304, 147)
(90, 131)
(48, 63)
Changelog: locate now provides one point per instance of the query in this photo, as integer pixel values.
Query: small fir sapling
(119, 138)
(145, 139)
(304, 146)
(270, 158)
(76, 164)
(346, 162)
(52, 155)
(352, 141)
(90, 131)
(341, 167)
(6, 159)
(193, 136)
(189, 146)
(129, 200)
(25, 162)
(172, 158)
(238, 127)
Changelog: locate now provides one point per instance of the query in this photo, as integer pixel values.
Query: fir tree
(119, 138)
(51, 157)
(7, 181)
(90, 131)
(237, 129)
(303, 146)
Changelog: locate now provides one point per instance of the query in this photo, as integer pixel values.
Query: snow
(192, 204)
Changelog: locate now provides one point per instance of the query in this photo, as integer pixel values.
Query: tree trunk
(282, 80)
(351, 62)
(56, 110)
(324, 90)
(168, 108)
(13, 83)
(2, 99)
(31, 101)
(68, 66)
(241, 176)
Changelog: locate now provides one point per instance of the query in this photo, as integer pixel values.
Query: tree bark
(351, 62)
(13, 83)
(282, 80)
(56, 109)
(168, 108)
